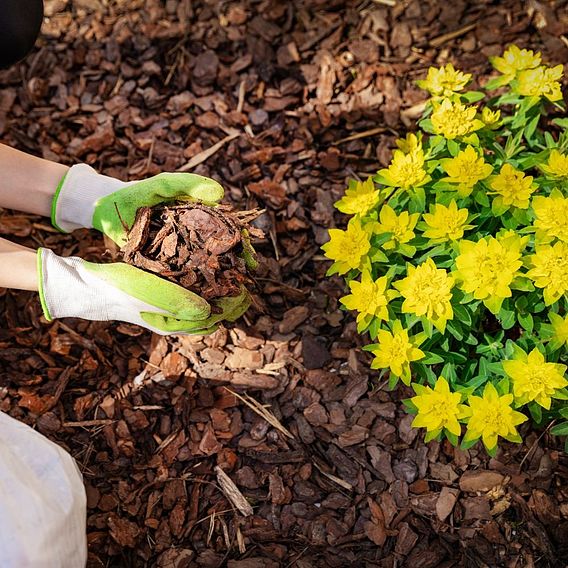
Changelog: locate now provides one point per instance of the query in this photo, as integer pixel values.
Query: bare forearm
(18, 266)
(28, 183)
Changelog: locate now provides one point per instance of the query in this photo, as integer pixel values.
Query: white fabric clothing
(42, 502)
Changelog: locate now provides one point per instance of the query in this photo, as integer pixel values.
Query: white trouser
(42, 502)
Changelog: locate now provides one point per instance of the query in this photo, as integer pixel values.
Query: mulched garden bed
(281, 102)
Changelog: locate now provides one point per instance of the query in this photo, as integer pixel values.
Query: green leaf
(426, 125)
(506, 318)
(531, 128)
(406, 250)
(374, 328)
(526, 321)
(469, 443)
(513, 144)
(498, 208)
(481, 197)
(515, 351)
(432, 359)
(427, 326)
(425, 373)
(503, 386)
(477, 382)
(452, 438)
(381, 239)
(496, 82)
(410, 406)
(536, 412)
(455, 330)
(562, 122)
(393, 380)
(492, 451)
(523, 284)
(462, 314)
(521, 215)
(449, 372)
(515, 438)
(508, 99)
(417, 200)
(562, 394)
(453, 357)
(560, 429)
(453, 148)
(379, 256)
(429, 436)
(473, 96)
(519, 120)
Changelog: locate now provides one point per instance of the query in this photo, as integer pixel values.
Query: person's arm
(79, 197)
(28, 183)
(18, 266)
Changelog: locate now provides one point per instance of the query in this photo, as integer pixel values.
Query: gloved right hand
(72, 287)
(88, 199)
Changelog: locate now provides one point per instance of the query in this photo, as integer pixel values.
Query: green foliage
(457, 255)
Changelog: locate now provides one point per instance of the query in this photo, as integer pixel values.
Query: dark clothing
(20, 22)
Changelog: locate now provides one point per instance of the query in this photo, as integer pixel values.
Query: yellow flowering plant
(456, 255)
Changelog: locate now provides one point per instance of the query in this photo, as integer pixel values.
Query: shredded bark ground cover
(272, 443)
(199, 247)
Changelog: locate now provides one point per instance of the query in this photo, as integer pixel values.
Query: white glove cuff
(68, 289)
(75, 199)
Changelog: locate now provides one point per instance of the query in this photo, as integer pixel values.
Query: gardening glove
(72, 287)
(87, 199)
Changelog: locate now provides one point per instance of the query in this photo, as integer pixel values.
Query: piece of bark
(232, 492)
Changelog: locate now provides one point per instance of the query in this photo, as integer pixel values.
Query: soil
(271, 444)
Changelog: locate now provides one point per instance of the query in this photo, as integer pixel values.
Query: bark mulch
(270, 444)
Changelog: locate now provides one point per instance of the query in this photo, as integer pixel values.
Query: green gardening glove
(72, 287)
(86, 199)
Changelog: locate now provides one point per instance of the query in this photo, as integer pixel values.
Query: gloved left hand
(87, 199)
(73, 287)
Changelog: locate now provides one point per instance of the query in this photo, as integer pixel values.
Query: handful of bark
(202, 248)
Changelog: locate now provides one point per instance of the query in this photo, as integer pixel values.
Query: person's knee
(20, 22)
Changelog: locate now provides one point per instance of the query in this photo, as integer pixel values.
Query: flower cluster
(456, 255)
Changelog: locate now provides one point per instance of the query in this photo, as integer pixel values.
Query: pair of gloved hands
(72, 287)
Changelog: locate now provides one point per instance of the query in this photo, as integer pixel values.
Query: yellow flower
(557, 165)
(395, 351)
(438, 408)
(491, 417)
(359, 200)
(347, 248)
(452, 119)
(406, 170)
(551, 217)
(370, 298)
(487, 268)
(550, 270)
(559, 328)
(465, 170)
(446, 223)
(515, 59)
(427, 291)
(409, 144)
(401, 226)
(444, 81)
(540, 82)
(490, 117)
(534, 378)
(513, 187)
